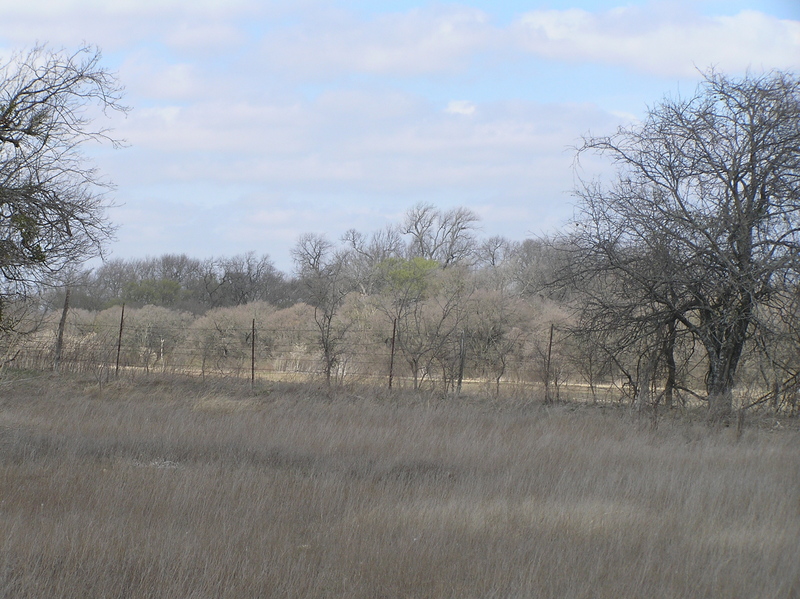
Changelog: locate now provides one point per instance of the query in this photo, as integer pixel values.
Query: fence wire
(353, 355)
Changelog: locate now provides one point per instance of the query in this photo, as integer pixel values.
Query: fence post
(461, 359)
(253, 357)
(61, 326)
(547, 398)
(119, 341)
(391, 355)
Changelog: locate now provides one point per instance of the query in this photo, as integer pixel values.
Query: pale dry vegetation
(178, 488)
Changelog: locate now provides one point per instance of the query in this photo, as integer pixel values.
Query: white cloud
(383, 143)
(419, 41)
(462, 107)
(206, 37)
(150, 8)
(118, 24)
(312, 165)
(179, 80)
(662, 44)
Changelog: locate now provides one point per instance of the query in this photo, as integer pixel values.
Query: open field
(176, 488)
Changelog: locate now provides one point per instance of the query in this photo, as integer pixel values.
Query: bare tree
(534, 266)
(248, 278)
(493, 263)
(447, 237)
(323, 272)
(52, 202)
(495, 332)
(368, 253)
(703, 219)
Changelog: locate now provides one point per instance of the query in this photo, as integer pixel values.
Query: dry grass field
(176, 488)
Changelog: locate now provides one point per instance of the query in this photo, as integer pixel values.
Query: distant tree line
(178, 282)
(541, 310)
(455, 305)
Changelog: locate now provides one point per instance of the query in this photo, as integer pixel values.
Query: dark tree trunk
(61, 326)
(669, 360)
(723, 360)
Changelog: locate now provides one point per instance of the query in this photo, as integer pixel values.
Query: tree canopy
(52, 201)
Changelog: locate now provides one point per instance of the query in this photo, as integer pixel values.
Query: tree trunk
(328, 368)
(719, 386)
(61, 326)
(720, 407)
(669, 360)
(724, 347)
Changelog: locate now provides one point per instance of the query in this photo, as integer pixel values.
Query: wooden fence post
(547, 398)
(61, 326)
(119, 341)
(462, 356)
(391, 355)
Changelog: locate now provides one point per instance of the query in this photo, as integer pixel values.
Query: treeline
(178, 282)
(427, 300)
(428, 293)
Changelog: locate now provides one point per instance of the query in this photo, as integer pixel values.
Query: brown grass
(168, 488)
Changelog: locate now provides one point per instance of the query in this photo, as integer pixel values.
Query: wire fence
(374, 356)
(377, 357)
(548, 365)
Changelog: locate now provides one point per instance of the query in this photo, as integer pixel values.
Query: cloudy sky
(254, 121)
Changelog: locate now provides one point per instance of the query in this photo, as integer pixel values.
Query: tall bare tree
(368, 253)
(445, 236)
(702, 220)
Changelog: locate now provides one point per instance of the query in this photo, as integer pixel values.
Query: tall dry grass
(167, 488)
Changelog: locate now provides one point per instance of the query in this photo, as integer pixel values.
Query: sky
(255, 121)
